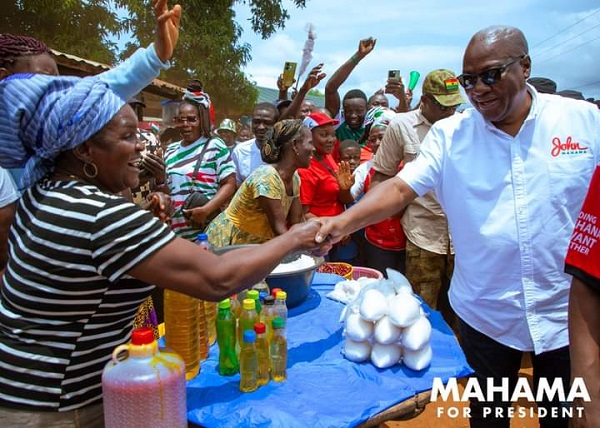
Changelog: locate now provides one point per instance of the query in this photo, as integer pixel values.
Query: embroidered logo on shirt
(569, 147)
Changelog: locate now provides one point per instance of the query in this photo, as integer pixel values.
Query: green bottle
(228, 362)
(248, 363)
(278, 351)
(262, 350)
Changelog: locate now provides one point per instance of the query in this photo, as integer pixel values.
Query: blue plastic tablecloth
(323, 388)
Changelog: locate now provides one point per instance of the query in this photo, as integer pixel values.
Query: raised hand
(160, 205)
(365, 46)
(314, 77)
(167, 29)
(344, 176)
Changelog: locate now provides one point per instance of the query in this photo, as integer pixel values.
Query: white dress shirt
(511, 204)
(246, 156)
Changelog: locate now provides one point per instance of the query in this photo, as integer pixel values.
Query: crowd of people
(478, 208)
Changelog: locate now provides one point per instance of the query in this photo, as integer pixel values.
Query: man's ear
(83, 152)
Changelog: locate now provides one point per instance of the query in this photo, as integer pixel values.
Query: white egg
(403, 310)
(385, 332)
(373, 306)
(417, 360)
(358, 329)
(357, 351)
(417, 335)
(384, 356)
(400, 282)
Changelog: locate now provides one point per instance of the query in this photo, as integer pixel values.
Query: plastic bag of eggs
(386, 325)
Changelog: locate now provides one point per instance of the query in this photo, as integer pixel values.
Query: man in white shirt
(246, 155)
(511, 175)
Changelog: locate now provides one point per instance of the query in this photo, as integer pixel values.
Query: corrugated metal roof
(89, 67)
(270, 95)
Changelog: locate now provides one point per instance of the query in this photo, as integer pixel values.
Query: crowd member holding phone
(512, 200)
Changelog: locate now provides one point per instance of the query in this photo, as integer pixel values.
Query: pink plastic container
(362, 272)
(146, 388)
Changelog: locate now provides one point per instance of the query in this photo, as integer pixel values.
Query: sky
(423, 35)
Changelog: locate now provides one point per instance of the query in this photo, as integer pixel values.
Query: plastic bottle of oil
(144, 384)
(261, 286)
(281, 305)
(210, 308)
(226, 334)
(248, 317)
(248, 363)
(182, 318)
(262, 350)
(278, 351)
(254, 295)
(268, 314)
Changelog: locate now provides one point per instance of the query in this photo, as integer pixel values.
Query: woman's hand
(154, 167)
(344, 176)
(167, 30)
(196, 217)
(365, 46)
(160, 204)
(304, 234)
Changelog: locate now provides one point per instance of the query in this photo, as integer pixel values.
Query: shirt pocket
(569, 180)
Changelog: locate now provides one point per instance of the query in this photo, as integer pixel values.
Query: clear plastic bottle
(254, 295)
(281, 306)
(248, 317)
(226, 335)
(278, 351)
(210, 308)
(268, 314)
(203, 331)
(262, 350)
(248, 363)
(147, 385)
(261, 286)
(236, 306)
(182, 318)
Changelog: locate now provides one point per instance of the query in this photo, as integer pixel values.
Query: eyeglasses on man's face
(490, 77)
(186, 119)
(439, 105)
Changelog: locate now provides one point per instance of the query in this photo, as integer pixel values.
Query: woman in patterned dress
(267, 202)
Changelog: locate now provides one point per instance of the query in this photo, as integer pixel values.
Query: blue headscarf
(42, 116)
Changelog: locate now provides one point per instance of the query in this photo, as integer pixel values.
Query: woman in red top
(325, 185)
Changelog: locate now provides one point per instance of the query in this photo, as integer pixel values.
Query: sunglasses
(184, 119)
(489, 77)
(440, 106)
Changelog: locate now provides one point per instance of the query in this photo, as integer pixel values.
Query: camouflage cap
(444, 87)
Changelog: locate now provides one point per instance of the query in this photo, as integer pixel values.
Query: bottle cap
(269, 300)
(249, 304)
(275, 291)
(278, 322)
(260, 328)
(249, 336)
(225, 304)
(281, 295)
(142, 336)
(252, 294)
(202, 237)
(262, 295)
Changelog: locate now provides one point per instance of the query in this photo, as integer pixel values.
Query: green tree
(81, 28)
(209, 47)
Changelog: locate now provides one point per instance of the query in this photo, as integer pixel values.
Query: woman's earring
(94, 172)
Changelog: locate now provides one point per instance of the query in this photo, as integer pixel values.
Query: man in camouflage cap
(429, 252)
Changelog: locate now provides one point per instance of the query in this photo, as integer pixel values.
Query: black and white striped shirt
(66, 300)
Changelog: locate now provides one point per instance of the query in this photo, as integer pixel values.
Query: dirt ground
(436, 414)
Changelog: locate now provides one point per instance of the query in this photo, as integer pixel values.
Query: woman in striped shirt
(81, 257)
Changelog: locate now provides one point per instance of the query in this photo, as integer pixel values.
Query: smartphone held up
(289, 71)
